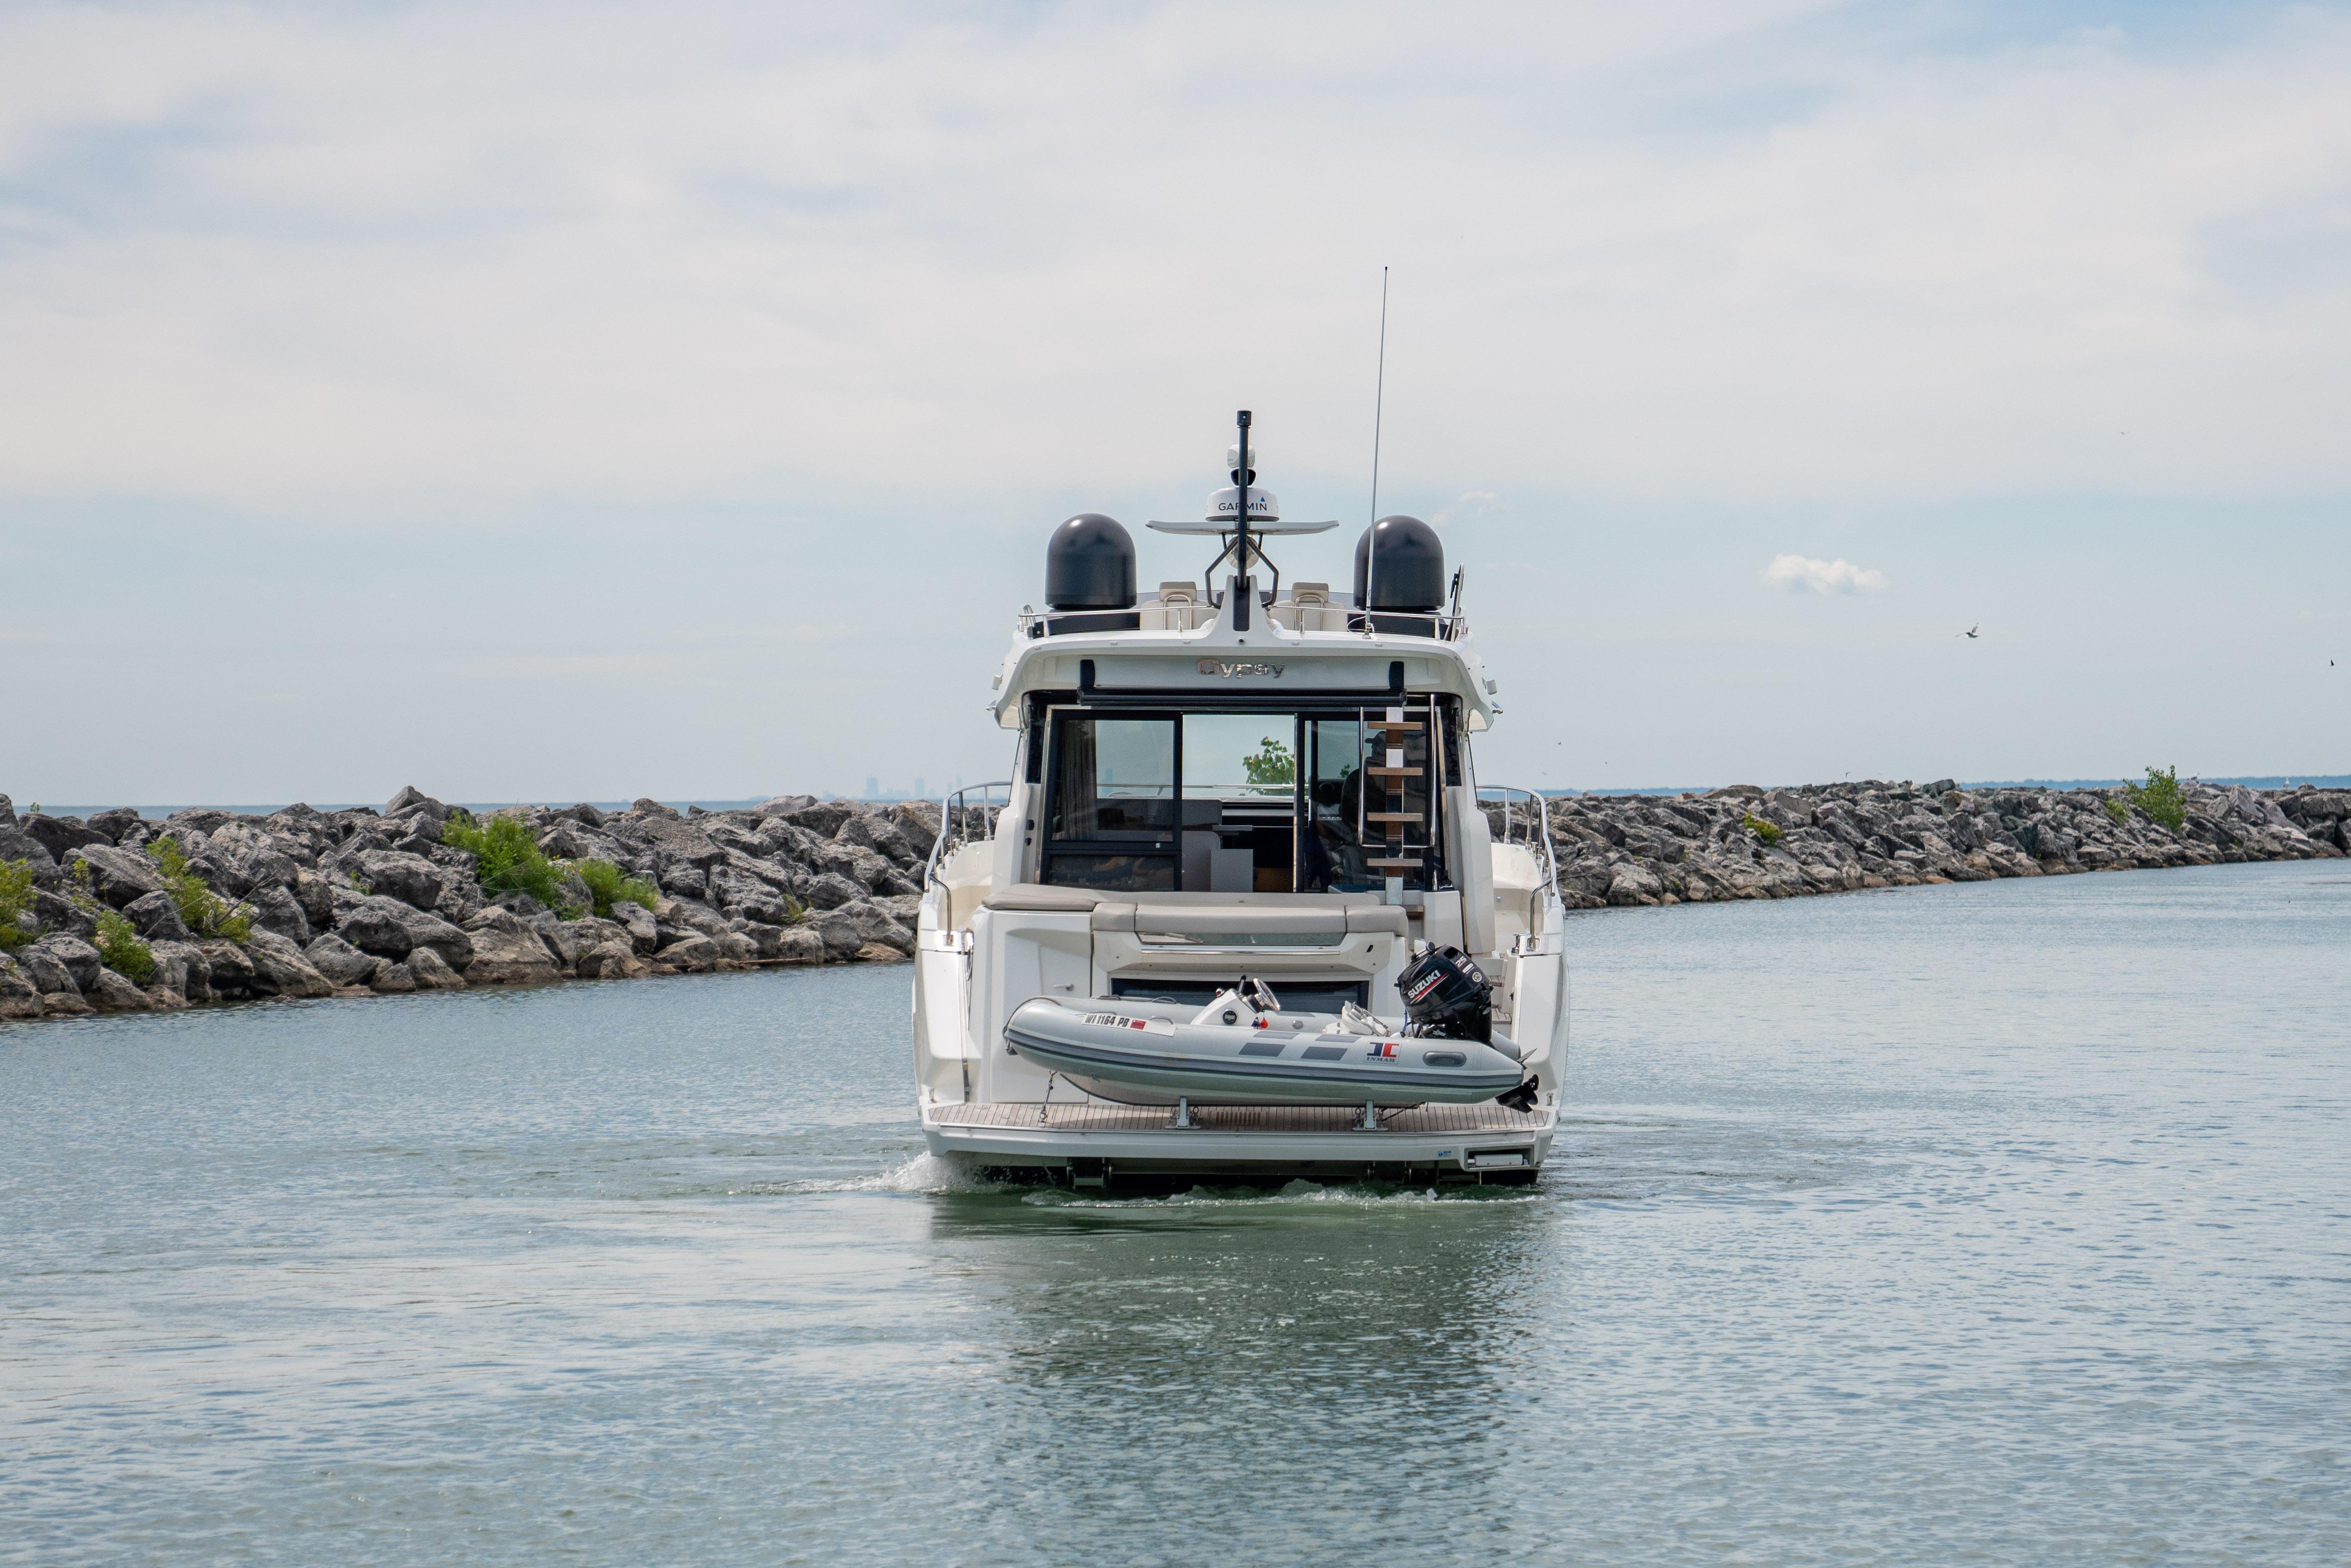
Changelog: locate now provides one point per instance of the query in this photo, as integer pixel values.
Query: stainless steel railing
(1524, 821)
(957, 815)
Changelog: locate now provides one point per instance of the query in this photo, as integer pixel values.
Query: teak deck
(1097, 1116)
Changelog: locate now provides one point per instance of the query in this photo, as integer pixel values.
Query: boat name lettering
(1230, 671)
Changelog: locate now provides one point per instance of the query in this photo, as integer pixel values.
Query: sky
(578, 401)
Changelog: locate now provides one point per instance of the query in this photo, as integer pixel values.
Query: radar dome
(1089, 565)
(1411, 575)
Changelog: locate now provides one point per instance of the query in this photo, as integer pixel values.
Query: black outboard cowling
(1090, 566)
(1410, 577)
(1446, 997)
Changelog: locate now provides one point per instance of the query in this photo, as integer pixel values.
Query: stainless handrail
(1538, 827)
(955, 812)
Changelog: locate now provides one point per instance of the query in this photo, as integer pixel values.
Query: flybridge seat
(1214, 918)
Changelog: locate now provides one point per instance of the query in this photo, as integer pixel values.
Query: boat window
(1330, 802)
(1113, 813)
(1372, 784)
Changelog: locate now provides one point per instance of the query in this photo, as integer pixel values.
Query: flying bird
(1970, 631)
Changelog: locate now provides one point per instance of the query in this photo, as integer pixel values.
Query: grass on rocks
(202, 910)
(1768, 832)
(507, 859)
(608, 885)
(15, 899)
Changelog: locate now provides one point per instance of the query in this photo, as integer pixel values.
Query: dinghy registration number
(1119, 1021)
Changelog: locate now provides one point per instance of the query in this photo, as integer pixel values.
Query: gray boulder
(58, 834)
(832, 890)
(853, 925)
(19, 997)
(55, 912)
(111, 993)
(412, 799)
(116, 822)
(76, 957)
(15, 844)
(339, 961)
(63, 1004)
(390, 929)
(316, 894)
(231, 973)
(275, 910)
(799, 945)
(431, 973)
(182, 969)
(613, 959)
(118, 876)
(410, 878)
(7, 812)
(555, 935)
(508, 951)
(643, 930)
(281, 969)
(691, 954)
(156, 918)
(391, 980)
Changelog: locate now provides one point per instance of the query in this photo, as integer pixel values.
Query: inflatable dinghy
(1243, 1050)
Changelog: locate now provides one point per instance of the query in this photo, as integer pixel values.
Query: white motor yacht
(1240, 813)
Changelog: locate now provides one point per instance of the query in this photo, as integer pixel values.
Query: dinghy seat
(1260, 917)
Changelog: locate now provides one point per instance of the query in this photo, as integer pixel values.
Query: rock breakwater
(118, 912)
(1743, 842)
(304, 903)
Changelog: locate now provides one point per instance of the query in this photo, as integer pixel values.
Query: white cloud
(1471, 507)
(1699, 250)
(1840, 576)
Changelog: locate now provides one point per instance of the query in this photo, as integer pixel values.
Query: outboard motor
(1446, 997)
(1090, 566)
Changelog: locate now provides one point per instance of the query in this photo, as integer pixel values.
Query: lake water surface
(2002, 1223)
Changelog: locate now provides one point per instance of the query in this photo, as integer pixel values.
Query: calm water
(1993, 1224)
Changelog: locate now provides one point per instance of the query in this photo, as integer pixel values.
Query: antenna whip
(1379, 405)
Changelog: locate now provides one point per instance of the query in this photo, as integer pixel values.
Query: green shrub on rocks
(507, 859)
(202, 910)
(609, 885)
(2161, 798)
(120, 947)
(15, 899)
(1768, 832)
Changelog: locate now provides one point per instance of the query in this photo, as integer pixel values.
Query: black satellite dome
(1411, 566)
(1089, 565)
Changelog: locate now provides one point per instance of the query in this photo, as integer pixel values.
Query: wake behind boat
(1245, 800)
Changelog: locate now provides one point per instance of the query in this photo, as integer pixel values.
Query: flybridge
(1400, 628)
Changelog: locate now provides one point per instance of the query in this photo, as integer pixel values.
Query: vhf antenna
(1379, 405)
(1241, 590)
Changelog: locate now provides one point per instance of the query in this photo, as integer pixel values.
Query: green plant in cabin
(119, 945)
(1768, 832)
(1270, 765)
(202, 910)
(608, 886)
(2161, 798)
(15, 899)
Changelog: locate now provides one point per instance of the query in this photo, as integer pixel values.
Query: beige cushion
(1256, 915)
(1036, 898)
